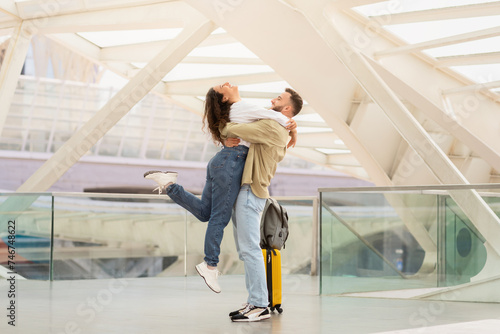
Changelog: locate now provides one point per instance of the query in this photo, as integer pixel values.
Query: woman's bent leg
(200, 208)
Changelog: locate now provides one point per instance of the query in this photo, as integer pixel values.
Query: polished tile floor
(186, 305)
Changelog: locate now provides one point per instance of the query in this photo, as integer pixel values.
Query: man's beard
(277, 108)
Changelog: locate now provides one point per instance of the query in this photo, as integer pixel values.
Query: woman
(224, 171)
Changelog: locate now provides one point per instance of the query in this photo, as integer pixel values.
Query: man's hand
(293, 139)
(291, 124)
(231, 142)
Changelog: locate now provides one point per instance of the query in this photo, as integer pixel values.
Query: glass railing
(377, 239)
(65, 236)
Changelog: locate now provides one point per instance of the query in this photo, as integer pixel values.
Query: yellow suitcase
(272, 259)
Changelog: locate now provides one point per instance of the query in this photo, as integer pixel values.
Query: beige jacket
(268, 147)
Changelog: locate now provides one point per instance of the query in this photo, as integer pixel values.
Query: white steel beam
(461, 38)
(447, 13)
(161, 15)
(11, 68)
(470, 59)
(119, 105)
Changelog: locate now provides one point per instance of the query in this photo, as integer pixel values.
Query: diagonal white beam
(461, 38)
(447, 13)
(83, 140)
(470, 59)
(11, 68)
(436, 114)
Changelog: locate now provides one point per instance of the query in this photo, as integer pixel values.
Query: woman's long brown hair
(216, 114)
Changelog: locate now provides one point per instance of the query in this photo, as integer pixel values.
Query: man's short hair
(296, 101)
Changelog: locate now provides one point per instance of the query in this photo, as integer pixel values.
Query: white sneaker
(241, 310)
(252, 313)
(209, 275)
(163, 179)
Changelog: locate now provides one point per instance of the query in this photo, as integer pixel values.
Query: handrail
(429, 187)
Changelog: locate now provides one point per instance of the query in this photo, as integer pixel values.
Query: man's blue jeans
(246, 229)
(223, 183)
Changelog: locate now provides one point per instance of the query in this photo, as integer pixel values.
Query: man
(269, 141)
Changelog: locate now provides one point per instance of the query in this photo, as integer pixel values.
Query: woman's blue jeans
(222, 186)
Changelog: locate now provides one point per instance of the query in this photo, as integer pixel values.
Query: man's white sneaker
(209, 275)
(163, 179)
(252, 313)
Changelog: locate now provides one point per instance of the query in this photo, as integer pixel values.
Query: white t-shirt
(244, 112)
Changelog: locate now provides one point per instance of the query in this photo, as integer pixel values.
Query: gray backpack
(273, 226)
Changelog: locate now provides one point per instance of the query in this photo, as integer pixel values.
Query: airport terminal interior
(392, 190)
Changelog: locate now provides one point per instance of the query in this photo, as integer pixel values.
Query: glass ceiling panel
(474, 47)
(123, 37)
(426, 31)
(480, 73)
